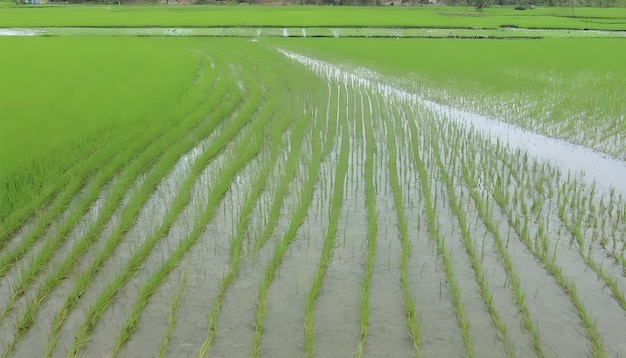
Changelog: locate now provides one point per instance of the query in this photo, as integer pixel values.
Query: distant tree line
(528, 4)
(478, 4)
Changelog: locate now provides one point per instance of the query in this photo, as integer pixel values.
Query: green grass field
(63, 100)
(329, 16)
(277, 196)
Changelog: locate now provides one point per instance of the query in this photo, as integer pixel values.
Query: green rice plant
(236, 248)
(70, 182)
(57, 198)
(372, 229)
(128, 218)
(147, 290)
(171, 317)
(182, 199)
(236, 244)
(459, 212)
(29, 272)
(576, 231)
(329, 240)
(44, 141)
(513, 278)
(281, 247)
(433, 228)
(228, 174)
(112, 201)
(543, 86)
(522, 205)
(331, 126)
(522, 230)
(9, 258)
(279, 195)
(412, 321)
(103, 176)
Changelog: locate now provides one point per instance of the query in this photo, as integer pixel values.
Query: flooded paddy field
(305, 206)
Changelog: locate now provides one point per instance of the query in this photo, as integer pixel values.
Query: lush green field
(317, 197)
(64, 99)
(329, 16)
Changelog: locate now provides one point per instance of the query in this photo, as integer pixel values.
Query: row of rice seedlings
(296, 221)
(329, 240)
(248, 147)
(120, 158)
(259, 186)
(50, 246)
(236, 245)
(68, 185)
(290, 171)
(412, 320)
(129, 175)
(58, 197)
(11, 257)
(130, 214)
(460, 213)
(172, 315)
(64, 189)
(433, 229)
(617, 250)
(540, 249)
(183, 197)
(485, 212)
(372, 228)
(29, 271)
(331, 126)
(287, 176)
(575, 229)
(608, 225)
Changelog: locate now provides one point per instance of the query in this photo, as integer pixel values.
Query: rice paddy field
(249, 189)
